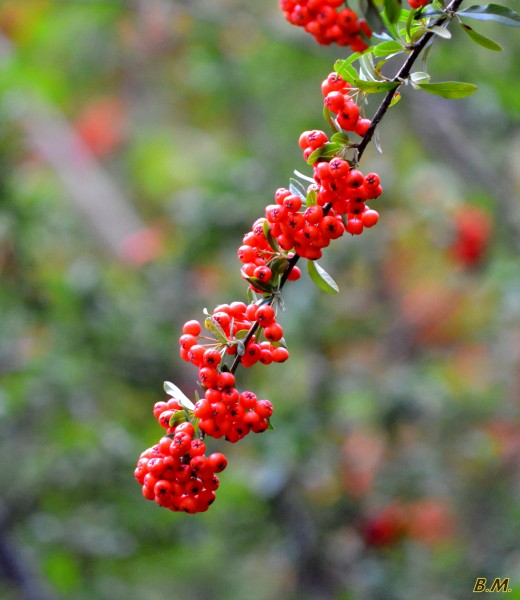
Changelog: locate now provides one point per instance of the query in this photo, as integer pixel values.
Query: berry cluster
(175, 472)
(226, 412)
(326, 24)
(230, 323)
(338, 100)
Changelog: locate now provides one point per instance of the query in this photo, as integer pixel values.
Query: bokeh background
(138, 142)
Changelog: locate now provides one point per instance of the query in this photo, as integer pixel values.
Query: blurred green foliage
(393, 469)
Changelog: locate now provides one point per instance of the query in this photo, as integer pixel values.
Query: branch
(402, 74)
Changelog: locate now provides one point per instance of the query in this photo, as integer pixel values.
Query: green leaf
(312, 198)
(481, 40)
(392, 10)
(345, 62)
(328, 150)
(258, 284)
(173, 391)
(340, 138)
(395, 99)
(212, 325)
(419, 77)
(366, 68)
(278, 265)
(492, 12)
(321, 278)
(386, 48)
(429, 12)
(328, 118)
(295, 187)
(241, 334)
(440, 31)
(345, 70)
(409, 19)
(372, 87)
(179, 416)
(268, 236)
(449, 89)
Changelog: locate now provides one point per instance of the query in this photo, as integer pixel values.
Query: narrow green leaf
(304, 177)
(173, 391)
(344, 69)
(429, 12)
(393, 10)
(386, 48)
(295, 187)
(179, 416)
(321, 278)
(492, 12)
(241, 334)
(312, 198)
(269, 237)
(395, 99)
(419, 77)
(340, 138)
(328, 118)
(345, 62)
(409, 24)
(440, 31)
(366, 68)
(449, 89)
(215, 328)
(265, 287)
(416, 32)
(372, 87)
(481, 40)
(328, 150)
(403, 17)
(278, 265)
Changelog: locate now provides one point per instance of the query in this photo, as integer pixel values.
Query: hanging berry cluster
(176, 473)
(326, 24)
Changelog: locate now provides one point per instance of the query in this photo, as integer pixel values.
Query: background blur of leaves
(139, 141)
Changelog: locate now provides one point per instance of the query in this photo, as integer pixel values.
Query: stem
(401, 75)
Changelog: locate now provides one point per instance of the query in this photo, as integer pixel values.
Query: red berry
(192, 328)
(280, 354)
(265, 315)
(370, 218)
(363, 126)
(273, 333)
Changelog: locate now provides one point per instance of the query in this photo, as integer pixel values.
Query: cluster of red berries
(341, 189)
(233, 319)
(326, 24)
(306, 232)
(226, 412)
(175, 472)
(258, 257)
(337, 99)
